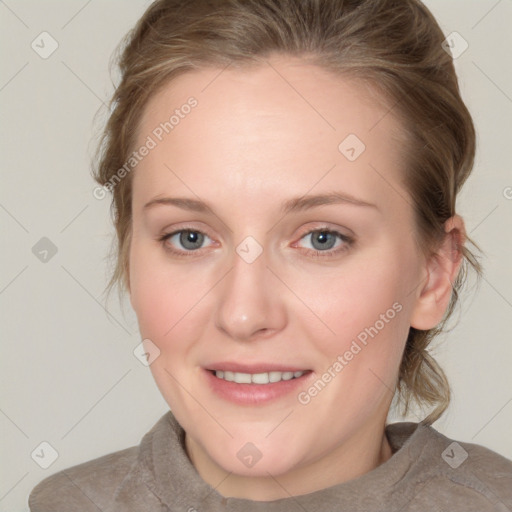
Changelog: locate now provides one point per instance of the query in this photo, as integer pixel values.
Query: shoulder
(455, 474)
(116, 481)
(86, 487)
(480, 469)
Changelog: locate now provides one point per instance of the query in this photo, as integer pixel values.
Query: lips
(255, 384)
(255, 374)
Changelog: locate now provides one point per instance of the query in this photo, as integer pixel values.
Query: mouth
(270, 377)
(255, 384)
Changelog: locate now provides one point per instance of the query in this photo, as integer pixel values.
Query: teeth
(274, 376)
(260, 378)
(257, 378)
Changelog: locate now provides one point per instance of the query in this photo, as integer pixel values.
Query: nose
(250, 303)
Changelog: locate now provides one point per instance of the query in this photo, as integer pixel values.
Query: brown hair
(392, 46)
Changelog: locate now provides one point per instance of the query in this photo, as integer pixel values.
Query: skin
(252, 143)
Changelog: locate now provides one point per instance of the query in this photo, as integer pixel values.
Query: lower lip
(254, 394)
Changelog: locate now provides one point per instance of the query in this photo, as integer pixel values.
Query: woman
(284, 178)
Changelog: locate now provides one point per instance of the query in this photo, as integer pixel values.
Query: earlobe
(441, 271)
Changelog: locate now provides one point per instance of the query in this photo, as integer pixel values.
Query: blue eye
(324, 240)
(190, 240)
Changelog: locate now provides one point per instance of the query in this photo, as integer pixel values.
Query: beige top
(427, 472)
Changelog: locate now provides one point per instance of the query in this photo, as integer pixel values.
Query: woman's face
(272, 234)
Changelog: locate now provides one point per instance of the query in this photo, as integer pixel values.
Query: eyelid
(325, 227)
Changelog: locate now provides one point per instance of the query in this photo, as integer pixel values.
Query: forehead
(265, 125)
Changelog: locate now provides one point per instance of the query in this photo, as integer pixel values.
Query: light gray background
(69, 376)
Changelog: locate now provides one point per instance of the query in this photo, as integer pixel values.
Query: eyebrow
(295, 204)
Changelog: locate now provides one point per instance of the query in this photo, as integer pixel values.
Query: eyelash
(331, 253)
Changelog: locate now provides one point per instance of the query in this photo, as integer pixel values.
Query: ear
(440, 272)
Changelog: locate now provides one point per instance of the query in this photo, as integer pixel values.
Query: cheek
(366, 307)
(158, 297)
(161, 308)
(170, 300)
(359, 297)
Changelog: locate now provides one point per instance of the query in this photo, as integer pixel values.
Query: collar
(171, 477)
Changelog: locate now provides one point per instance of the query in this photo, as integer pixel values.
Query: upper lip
(253, 368)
